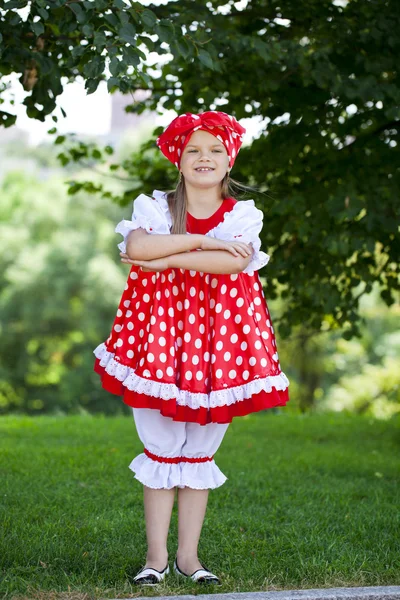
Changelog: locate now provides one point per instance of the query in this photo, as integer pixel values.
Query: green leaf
(131, 56)
(15, 4)
(75, 187)
(7, 119)
(127, 33)
(206, 59)
(54, 28)
(112, 84)
(78, 51)
(124, 17)
(148, 42)
(15, 20)
(37, 28)
(94, 68)
(183, 47)
(120, 4)
(100, 40)
(116, 67)
(148, 18)
(165, 31)
(43, 13)
(81, 15)
(91, 85)
(112, 19)
(88, 29)
(63, 158)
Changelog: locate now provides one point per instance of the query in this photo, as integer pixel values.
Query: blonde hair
(177, 200)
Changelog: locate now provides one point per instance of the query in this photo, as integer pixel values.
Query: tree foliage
(323, 76)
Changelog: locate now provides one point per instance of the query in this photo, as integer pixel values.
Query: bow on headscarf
(223, 126)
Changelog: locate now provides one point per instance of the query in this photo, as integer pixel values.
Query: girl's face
(204, 160)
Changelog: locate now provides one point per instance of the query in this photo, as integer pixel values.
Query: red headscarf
(223, 126)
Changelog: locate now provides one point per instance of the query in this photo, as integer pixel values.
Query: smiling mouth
(204, 169)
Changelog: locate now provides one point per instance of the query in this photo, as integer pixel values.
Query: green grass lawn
(310, 501)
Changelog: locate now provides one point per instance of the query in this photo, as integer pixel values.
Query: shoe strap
(203, 573)
(149, 571)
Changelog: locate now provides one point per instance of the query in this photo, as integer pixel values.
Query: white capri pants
(177, 453)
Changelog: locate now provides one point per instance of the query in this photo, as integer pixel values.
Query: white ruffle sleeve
(149, 213)
(243, 224)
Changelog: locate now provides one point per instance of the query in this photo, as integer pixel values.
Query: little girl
(192, 344)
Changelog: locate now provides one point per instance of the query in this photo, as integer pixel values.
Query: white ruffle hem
(158, 475)
(193, 400)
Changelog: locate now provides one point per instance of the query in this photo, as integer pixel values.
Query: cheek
(186, 159)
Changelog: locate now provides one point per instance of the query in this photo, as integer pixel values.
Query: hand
(236, 248)
(157, 264)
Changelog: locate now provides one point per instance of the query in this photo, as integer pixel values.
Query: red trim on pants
(176, 459)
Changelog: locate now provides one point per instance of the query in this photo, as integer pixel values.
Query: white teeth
(204, 169)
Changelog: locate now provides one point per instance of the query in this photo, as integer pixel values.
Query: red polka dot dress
(198, 347)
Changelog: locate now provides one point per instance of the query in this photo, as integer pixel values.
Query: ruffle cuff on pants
(160, 475)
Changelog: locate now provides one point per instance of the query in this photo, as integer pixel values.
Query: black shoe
(150, 576)
(200, 576)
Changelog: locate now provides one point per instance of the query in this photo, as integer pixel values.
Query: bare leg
(192, 506)
(158, 505)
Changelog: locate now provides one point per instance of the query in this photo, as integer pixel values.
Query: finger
(242, 251)
(246, 247)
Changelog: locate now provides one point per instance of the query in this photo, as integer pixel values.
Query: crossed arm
(176, 249)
